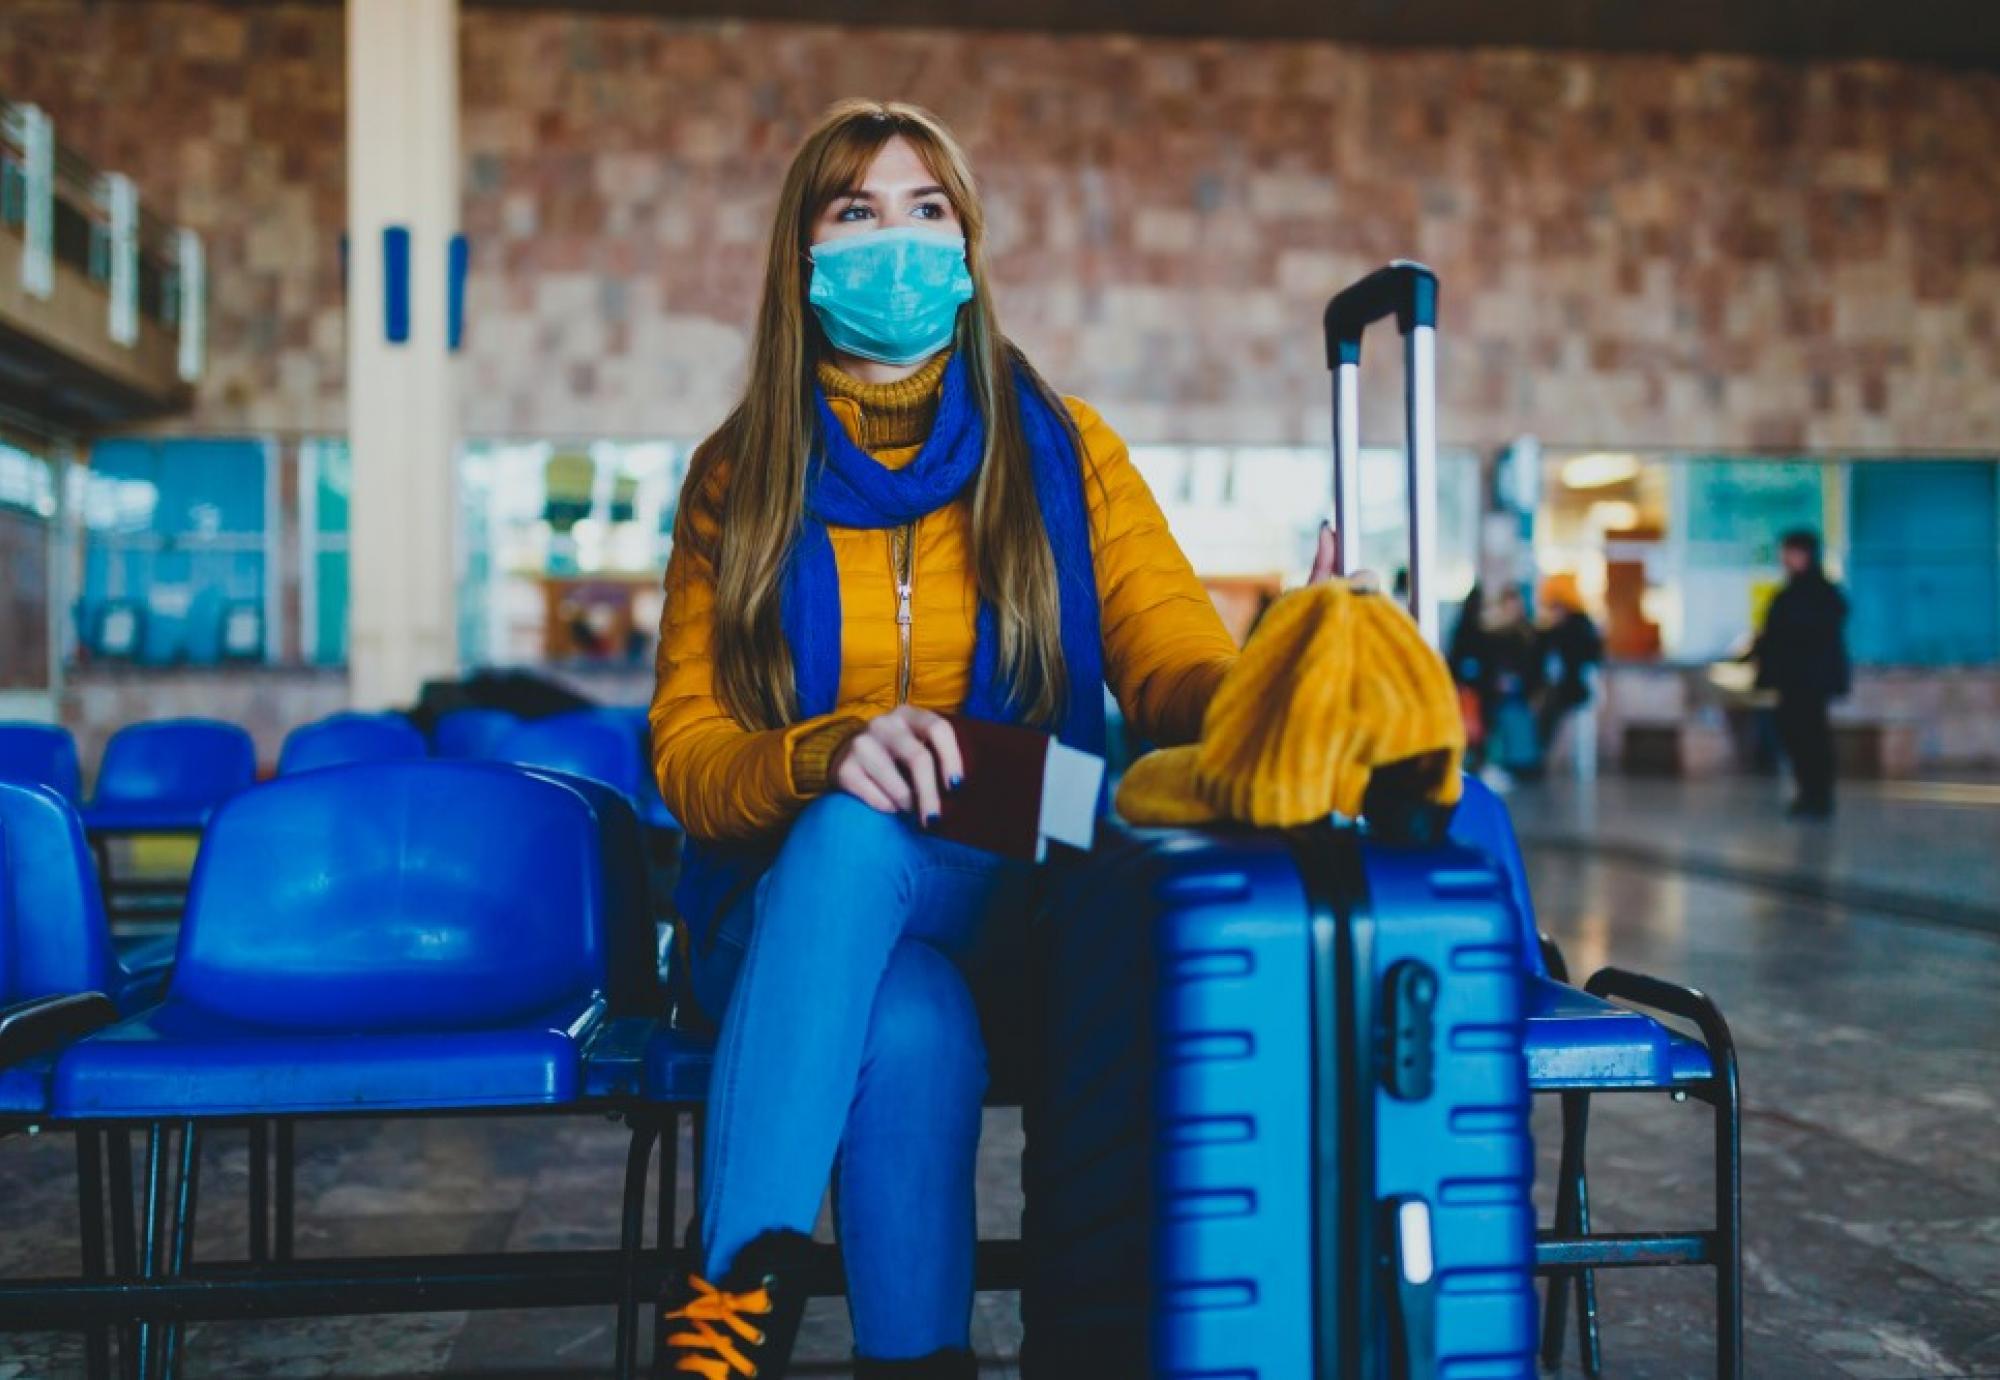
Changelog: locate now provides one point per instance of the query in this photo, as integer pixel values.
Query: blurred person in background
(1571, 651)
(1510, 686)
(1466, 654)
(1802, 656)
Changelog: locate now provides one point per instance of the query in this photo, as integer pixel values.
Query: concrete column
(402, 414)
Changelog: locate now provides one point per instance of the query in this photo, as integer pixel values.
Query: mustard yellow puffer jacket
(1165, 648)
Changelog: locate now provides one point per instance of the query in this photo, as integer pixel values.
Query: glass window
(325, 479)
(1678, 555)
(174, 551)
(1737, 513)
(1923, 562)
(565, 545)
(1602, 521)
(27, 507)
(1248, 517)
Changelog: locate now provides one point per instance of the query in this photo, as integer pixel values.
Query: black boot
(939, 1365)
(745, 1324)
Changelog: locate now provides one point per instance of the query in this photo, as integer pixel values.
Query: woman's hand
(901, 763)
(1326, 560)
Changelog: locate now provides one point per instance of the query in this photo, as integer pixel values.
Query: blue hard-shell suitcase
(1282, 1128)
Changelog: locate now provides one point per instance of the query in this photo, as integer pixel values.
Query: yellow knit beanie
(1334, 683)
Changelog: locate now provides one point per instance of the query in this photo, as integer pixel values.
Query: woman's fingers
(856, 782)
(879, 765)
(935, 730)
(1326, 556)
(902, 762)
(913, 755)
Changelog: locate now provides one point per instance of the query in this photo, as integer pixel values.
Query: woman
(900, 519)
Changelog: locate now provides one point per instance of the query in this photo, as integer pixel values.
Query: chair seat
(24, 1088)
(147, 816)
(677, 1066)
(177, 1061)
(1575, 1040)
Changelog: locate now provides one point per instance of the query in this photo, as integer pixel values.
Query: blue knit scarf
(847, 487)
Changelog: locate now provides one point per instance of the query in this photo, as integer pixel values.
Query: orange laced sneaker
(742, 1328)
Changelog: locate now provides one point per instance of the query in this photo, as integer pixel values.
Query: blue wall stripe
(396, 283)
(458, 256)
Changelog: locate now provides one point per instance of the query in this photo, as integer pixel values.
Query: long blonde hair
(767, 440)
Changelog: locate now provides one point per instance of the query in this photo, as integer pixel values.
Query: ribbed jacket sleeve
(720, 779)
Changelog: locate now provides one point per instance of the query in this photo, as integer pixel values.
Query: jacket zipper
(902, 562)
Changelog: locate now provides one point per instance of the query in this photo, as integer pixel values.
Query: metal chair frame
(1570, 1254)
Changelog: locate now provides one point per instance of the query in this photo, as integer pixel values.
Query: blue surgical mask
(890, 295)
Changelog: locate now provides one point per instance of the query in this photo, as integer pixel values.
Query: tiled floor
(1871, 1064)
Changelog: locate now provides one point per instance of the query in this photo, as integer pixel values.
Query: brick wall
(1713, 252)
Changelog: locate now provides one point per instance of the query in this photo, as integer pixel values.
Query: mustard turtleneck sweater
(892, 414)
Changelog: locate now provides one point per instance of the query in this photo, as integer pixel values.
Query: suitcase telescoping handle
(1409, 292)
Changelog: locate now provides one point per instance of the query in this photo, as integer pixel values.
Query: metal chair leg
(1588, 1340)
(698, 1119)
(287, 1190)
(1723, 1092)
(260, 1192)
(90, 1218)
(631, 1237)
(1728, 1218)
(124, 1239)
(1569, 1178)
(670, 1160)
(181, 1244)
(149, 1242)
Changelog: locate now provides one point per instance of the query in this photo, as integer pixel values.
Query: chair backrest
(472, 733)
(636, 719)
(340, 739)
(195, 761)
(40, 755)
(54, 940)
(632, 974)
(1481, 822)
(587, 743)
(395, 895)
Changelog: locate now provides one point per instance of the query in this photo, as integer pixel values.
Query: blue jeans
(850, 1030)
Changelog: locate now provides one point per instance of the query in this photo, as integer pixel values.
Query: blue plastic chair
(372, 937)
(60, 939)
(472, 733)
(1599, 1039)
(40, 755)
(168, 776)
(367, 939)
(340, 739)
(59, 981)
(163, 777)
(594, 743)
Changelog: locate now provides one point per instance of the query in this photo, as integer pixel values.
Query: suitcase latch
(1409, 1052)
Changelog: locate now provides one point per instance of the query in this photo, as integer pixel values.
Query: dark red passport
(1022, 788)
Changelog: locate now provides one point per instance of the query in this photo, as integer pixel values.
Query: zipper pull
(903, 606)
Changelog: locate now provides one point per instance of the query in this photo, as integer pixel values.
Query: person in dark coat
(1572, 647)
(1510, 685)
(1802, 655)
(1466, 652)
